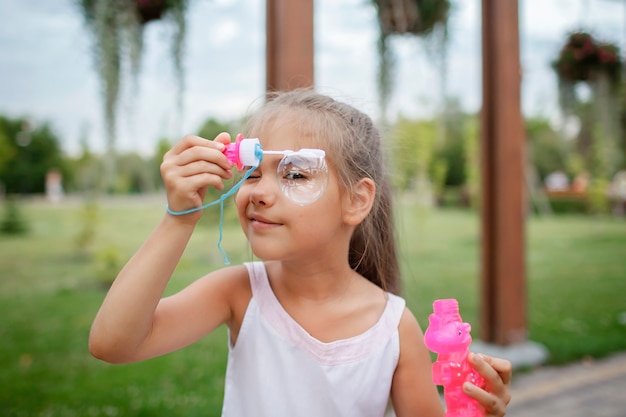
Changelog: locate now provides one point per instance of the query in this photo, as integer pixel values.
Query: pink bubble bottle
(450, 338)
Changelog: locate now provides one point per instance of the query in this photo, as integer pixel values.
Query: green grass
(50, 290)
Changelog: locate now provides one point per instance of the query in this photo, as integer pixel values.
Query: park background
(66, 234)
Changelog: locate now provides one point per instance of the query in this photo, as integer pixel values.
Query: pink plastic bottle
(450, 338)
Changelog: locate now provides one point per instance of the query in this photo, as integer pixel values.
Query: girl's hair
(354, 148)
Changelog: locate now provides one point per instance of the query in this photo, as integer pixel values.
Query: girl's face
(287, 223)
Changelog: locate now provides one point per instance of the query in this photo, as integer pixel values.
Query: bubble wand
(245, 152)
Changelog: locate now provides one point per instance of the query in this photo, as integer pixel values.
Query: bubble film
(303, 175)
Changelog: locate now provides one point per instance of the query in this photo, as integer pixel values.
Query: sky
(47, 68)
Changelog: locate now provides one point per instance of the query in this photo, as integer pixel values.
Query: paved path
(586, 389)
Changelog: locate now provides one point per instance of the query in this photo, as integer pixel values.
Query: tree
(34, 152)
(413, 144)
(546, 147)
(134, 174)
(6, 150)
(213, 127)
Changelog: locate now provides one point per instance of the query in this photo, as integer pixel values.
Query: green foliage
(85, 171)
(7, 150)
(108, 264)
(452, 153)
(569, 206)
(438, 171)
(86, 235)
(456, 126)
(13, 223)
(30, 154)
(213, 127)
(163, 146)
(598, 197)
(546, 147)
(134, 174)
(443, 150)
(413, 144)
(471, 148)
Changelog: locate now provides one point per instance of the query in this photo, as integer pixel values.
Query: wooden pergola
(503, 286)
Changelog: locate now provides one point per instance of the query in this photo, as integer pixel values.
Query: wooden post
(503, 315)
(289, 54)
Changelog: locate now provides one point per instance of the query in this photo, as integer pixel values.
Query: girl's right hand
(192, 165)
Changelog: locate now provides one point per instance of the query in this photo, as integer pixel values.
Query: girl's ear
(358, 203)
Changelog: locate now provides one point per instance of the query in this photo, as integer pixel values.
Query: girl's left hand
(497, 391)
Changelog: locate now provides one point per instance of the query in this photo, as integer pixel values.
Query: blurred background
(93, 93)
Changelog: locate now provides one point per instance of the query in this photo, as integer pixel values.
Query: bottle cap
(248, 156)
(243, 152)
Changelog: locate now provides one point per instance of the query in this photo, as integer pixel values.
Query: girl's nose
(264, 191)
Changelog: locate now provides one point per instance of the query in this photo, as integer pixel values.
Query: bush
(13, 222)
(568, 206)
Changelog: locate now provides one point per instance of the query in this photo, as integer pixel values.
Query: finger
(492, 381)
(201, 181)
(189, 141)
(203, 153)
(173, 174)
(223, 138)
(484, 368)
(189, 192)
(502, 366)
(495, 387)
(196, 175)
(492, 404)
(202, 167)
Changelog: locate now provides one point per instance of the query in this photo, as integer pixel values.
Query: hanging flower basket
(149, 10)
(415, 17)
(583, 58)
(404, 17)
(117, 30)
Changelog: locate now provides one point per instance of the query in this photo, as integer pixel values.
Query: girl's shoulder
(234, 281)
(231, 285)
(227, 278)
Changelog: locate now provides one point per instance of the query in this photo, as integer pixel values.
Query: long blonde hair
(354, 148)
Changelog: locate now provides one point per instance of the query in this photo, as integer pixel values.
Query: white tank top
(277, 369)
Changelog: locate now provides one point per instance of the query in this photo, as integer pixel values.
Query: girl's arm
(133, 322)
(412, 391)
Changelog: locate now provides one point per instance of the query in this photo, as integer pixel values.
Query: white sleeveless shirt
(277, 369)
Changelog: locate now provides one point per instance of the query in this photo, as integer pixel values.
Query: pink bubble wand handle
(450, 338)
(244, 152)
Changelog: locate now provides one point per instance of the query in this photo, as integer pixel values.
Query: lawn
(51, 287)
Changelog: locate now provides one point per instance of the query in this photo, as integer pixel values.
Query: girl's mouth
(262, 223)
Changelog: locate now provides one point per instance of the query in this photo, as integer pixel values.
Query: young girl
(315, 328)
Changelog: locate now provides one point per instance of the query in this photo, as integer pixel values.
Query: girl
(315, 328)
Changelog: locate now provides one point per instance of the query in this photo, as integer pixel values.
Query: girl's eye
(295, 175)
(253, 176)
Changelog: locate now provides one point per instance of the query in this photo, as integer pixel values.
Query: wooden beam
(503, 315)
(289, 43)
